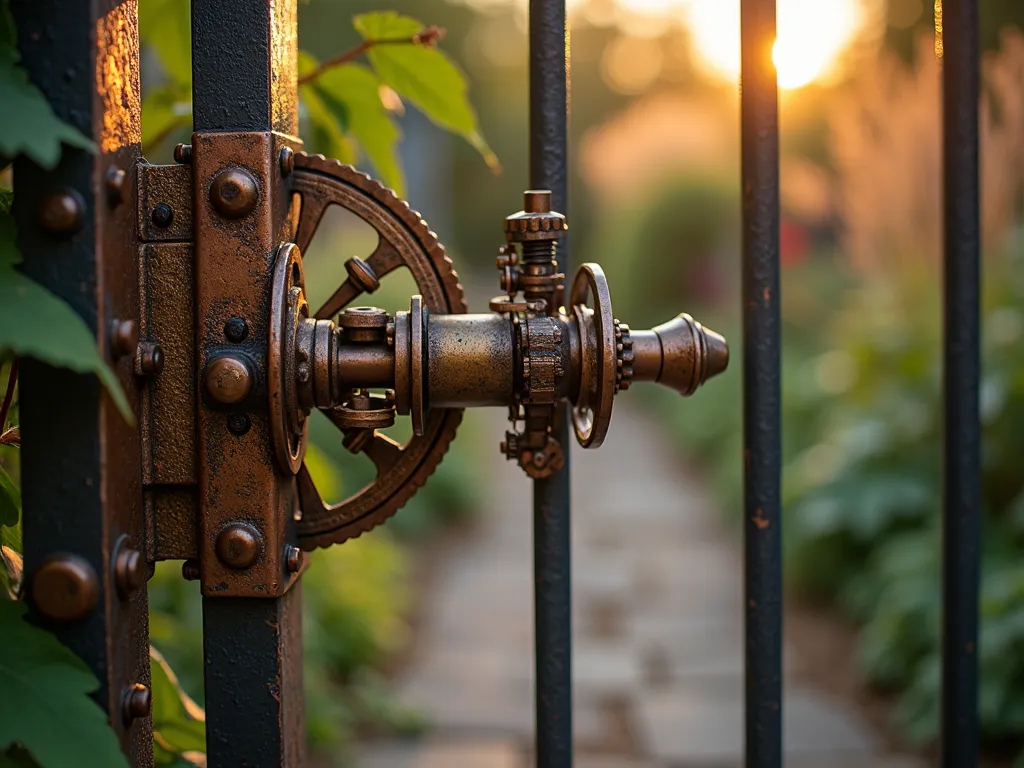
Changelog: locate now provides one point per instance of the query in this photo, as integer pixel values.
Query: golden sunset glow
(811, 36)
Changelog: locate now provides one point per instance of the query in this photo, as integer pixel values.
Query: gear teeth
(624, 357)
(421, 455)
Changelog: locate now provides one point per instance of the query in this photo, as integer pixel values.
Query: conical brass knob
(681, 354)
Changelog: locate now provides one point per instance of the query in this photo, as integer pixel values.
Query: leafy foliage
(44, 685)
(179, 724)
(57, 335)
(36, 132)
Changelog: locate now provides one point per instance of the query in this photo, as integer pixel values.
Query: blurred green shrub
(862, 481)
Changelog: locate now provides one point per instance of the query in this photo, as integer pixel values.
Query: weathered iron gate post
(245, 114)
(81, 461)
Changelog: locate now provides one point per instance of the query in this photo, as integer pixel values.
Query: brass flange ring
(288, 308)
(592, 412)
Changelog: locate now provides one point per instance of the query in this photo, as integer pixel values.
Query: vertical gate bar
(244, 80)
(762, 441)
(81, 460)
(552, 555)
(957, 34)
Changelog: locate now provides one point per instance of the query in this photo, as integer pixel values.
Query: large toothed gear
(624, 357)
(405, 240)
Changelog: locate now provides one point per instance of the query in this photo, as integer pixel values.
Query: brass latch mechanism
(248, 359)
(529, 354)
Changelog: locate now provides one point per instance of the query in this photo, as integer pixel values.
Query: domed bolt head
(137, 703)
(62, 213)
(234, 193)
(228, 380)
(293, 558)
(124, 337)
(238, 545)
(150, 359)
(65, 587)
(162, 215)
(130, 570)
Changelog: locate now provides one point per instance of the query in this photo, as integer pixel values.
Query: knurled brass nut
(535, 226)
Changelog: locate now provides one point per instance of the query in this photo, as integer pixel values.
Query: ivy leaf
(322, 130)
(57, 335)
(423, 75)
(6, 199)
(166, 26)
(179, 724)
(352, 93)
(36, 132)
(45, 706)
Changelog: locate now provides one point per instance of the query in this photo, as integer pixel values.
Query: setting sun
(811, 36)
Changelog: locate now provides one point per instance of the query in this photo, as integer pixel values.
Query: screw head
(62, 213)
(234, 193)
(238, 545)
(65, 587)
(239, 423)
(236, 329)
(228, 380)
(137, 703)
(287, 161)
(151, 358)
(162, 215)
(183, 154)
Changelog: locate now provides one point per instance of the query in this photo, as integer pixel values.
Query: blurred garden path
(658, 662)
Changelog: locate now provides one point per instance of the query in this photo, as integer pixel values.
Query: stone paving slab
(658, 631)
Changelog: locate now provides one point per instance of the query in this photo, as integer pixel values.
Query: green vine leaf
(36, 132)
(11, 566)
(10, 501)
(179, 724)
(424, 75)
(45, 706)
(351, 93)
(57, 335)
(322, 130)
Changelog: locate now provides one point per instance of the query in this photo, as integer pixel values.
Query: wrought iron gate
(191, 277)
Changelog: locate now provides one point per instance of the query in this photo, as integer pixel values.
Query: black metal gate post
(549, 114)
(957, 31)
(81, 460)
(762, 442)
(244, 74)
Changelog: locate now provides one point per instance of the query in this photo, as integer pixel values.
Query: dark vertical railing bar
(549, 106)
(761, 387)
(958, 43)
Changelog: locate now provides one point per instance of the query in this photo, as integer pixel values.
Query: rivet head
(151, 358)
(238, 545)
(190, 570)
(162, 215)
(124, 337)
(236, 329)
(228, 380)
(287, 160)
(62, 213)
(234, 193)
(115, 183)
(65, 587)
(183, 154)
(293, 558)
(137, 703)
(130, 570)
